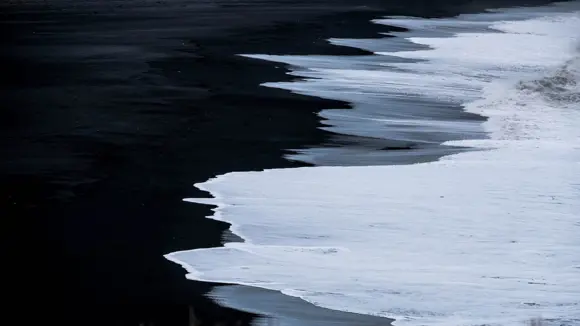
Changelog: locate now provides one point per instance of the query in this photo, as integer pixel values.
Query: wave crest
(562, 86)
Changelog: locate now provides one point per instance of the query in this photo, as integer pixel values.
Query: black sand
(111, 110)
(110, 113)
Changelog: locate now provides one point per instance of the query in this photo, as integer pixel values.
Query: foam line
(482, 237)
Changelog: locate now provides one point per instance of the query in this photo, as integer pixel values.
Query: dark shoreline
(105, 128)
(110, 113)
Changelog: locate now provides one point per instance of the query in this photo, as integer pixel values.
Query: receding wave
(486, 237)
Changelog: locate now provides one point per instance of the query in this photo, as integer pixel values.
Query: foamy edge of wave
(500, 152)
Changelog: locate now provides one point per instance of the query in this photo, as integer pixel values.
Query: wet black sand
(109, 115)
(111, 110)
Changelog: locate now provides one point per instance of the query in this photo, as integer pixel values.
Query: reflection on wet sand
(194, 321)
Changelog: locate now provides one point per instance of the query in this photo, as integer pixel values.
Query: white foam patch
(485, 237)
(413, 101)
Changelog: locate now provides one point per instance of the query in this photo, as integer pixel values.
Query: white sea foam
(484, 237)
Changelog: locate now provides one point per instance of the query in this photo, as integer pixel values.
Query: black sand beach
(112, 110)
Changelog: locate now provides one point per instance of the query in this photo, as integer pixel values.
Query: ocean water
(485, 236)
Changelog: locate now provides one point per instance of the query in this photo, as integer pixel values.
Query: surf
(486, 236)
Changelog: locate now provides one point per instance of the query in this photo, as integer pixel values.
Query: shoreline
(113, 111)
(216, 202)
(105, 131)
